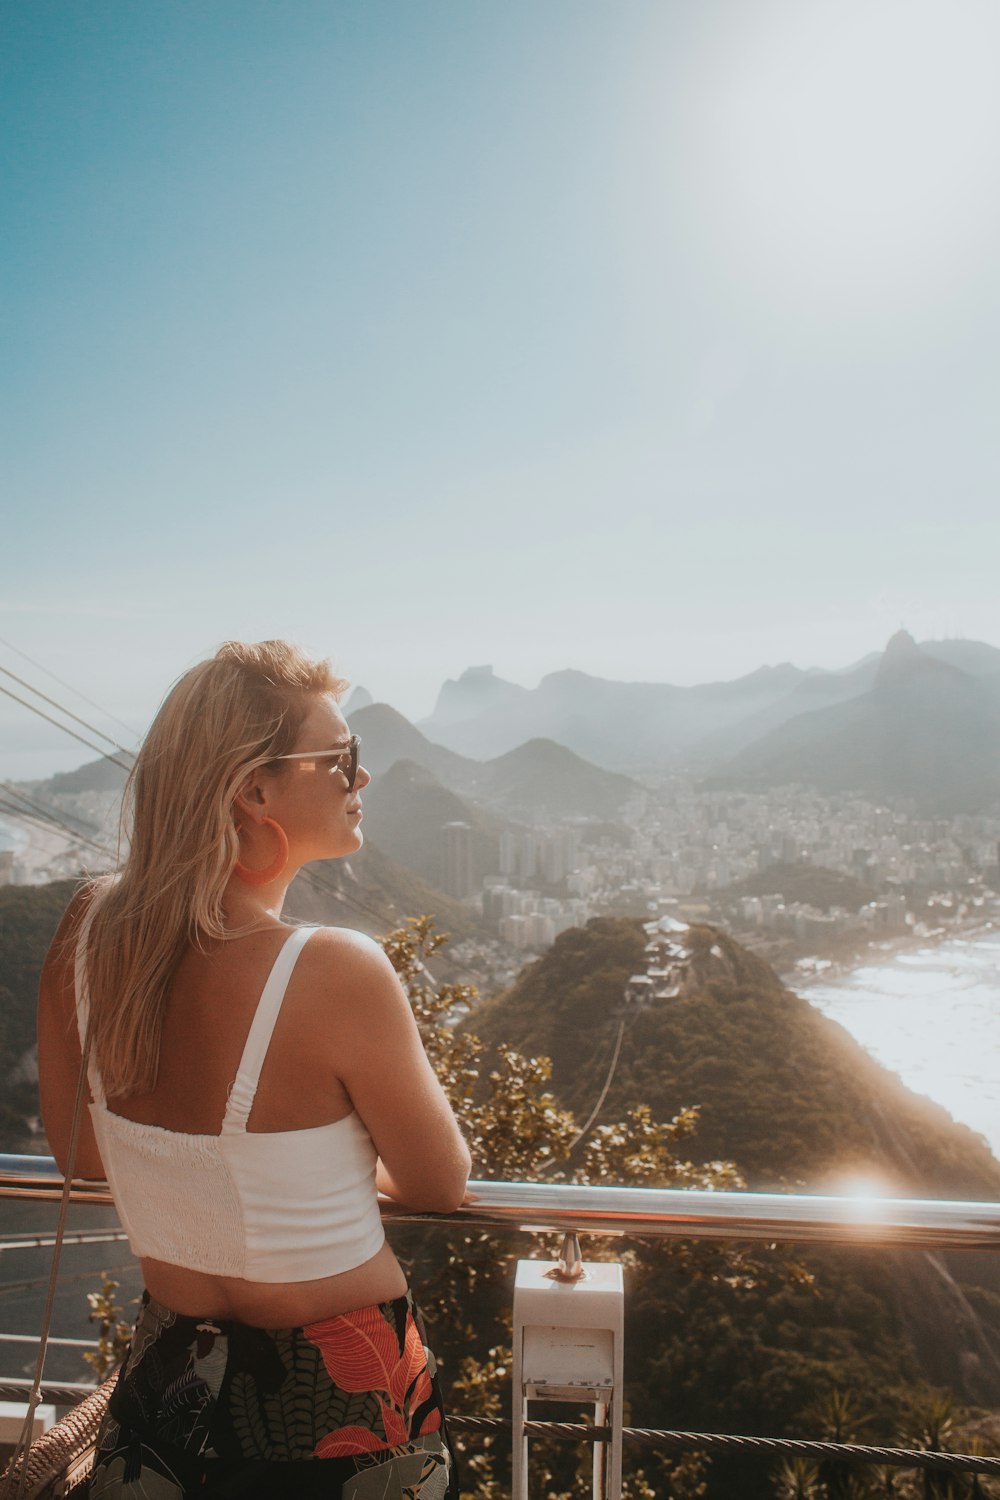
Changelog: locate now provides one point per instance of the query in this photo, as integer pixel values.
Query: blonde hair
(221, 721)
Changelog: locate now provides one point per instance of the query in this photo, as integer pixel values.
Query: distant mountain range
(535, 780)
(918, 721)
(640, 727)
(628, 726)
(924, 729)
(921, 722)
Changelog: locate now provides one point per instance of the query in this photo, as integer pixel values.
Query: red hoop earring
(274, 869)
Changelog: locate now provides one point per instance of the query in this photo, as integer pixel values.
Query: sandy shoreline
(823, 969)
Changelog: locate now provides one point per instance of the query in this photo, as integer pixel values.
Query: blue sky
(653, 339)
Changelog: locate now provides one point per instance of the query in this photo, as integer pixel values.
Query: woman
(250, 1085)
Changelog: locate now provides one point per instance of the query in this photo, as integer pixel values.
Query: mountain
(798, 1105)
(925, 730)
(783, 1091)
(388, 737)
(373, 892)
(974, 657)
(406, 814)
(815, 690)
(542, 779)
(477, 691)
(620, 725)
(539, 779)
(641, 726)
(95, 776)
(813, 885)
(29, 916)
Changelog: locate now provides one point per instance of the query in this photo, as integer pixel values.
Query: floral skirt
(347, 1409)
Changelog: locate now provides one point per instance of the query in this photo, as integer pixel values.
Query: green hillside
(29, 916)
(813, 885)
(782, 1091)
(799, 1107)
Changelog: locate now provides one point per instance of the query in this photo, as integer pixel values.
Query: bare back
(344, 1040)
(212, 1003)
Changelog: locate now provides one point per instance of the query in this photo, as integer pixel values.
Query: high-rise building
(458, 859)
(509, 845)
(527, 867)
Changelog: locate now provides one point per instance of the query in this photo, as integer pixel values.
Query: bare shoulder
(339, 963)
(332, 949)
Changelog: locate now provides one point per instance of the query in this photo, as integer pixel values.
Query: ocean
(932, 1015)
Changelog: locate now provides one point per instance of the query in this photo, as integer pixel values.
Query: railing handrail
(674, 1213)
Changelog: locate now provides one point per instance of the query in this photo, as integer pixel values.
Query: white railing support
(568, 1341)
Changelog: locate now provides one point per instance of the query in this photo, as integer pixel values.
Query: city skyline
(654, 342)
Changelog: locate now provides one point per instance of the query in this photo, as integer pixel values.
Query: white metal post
(568, 1347)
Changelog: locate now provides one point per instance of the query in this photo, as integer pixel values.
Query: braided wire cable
(643, 1437)
(715, 1442)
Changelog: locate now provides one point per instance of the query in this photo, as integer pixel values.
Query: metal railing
(678, 1213)
(673, 1213)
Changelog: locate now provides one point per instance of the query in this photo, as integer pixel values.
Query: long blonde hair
(222, 720)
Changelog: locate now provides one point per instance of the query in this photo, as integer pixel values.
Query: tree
(517, 1130)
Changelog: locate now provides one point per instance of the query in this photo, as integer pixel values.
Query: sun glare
(848, 153)
(864, 1186)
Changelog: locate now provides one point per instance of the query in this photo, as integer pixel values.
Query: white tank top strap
(82, 996)
(241, 1095)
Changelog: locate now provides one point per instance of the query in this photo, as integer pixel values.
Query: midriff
(279, 1304)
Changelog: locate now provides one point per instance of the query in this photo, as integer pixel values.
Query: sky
(657, 340)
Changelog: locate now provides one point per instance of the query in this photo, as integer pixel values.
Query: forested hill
(782, 1091)
(29, 916)
(789, 1097)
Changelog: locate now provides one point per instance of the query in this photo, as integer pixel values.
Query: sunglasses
(345, 756)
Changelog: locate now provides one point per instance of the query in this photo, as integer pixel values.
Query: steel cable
(715, 1442)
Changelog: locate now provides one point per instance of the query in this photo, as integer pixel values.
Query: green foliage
(813, 885)
(750, 1083)
(781, 1090)
(797, 1479)
(518, 1131)
(720, 1337)
(29, 916)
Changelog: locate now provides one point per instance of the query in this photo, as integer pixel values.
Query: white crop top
(289, 1205)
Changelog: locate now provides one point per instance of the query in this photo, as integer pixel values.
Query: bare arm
(59, 1058)
(378, 1055)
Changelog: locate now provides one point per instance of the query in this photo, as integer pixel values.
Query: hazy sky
(656, 339)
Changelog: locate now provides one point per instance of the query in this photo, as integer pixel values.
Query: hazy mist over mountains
(924, 729)
(635, 726)
(918, 721)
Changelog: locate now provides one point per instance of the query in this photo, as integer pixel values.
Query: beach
(931, 1013)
